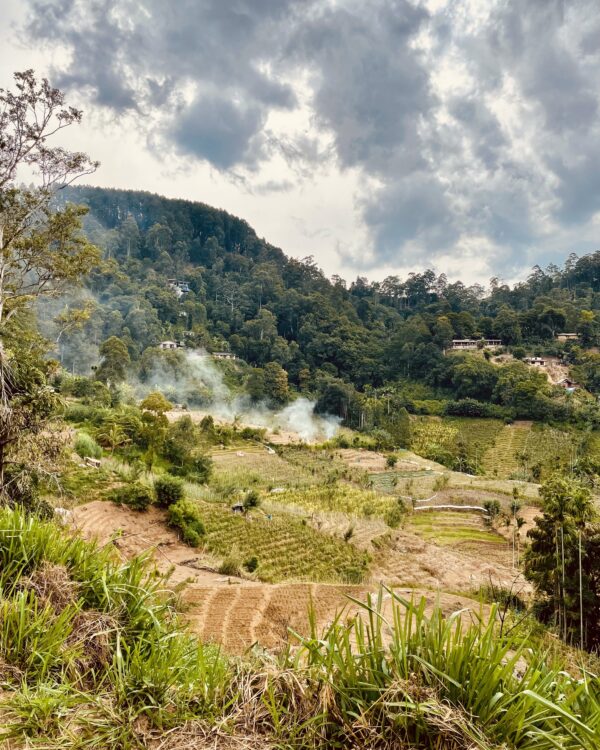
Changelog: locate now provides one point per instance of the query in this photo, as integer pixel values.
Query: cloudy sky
(381, 137)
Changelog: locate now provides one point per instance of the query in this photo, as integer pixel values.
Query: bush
(231, 566)
(394, 517)
(185, 516)
(430, 407)
(78, 413)
(168, 491)
(86, 446)
(470, 407)
(252, 500)
(251, 564)
(136, 496)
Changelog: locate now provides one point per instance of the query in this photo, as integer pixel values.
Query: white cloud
(379, 138)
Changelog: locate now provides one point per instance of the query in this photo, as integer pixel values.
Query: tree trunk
(562, 552)
(581, 638)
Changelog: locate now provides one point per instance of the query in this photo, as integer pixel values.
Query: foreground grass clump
(89, 645)
(395, 677)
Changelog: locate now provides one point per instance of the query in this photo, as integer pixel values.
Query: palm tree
(515, 507)
(520, 521)
(583, 512)
(557, 493)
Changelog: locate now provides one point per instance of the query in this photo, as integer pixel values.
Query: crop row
(286, 547)
(339, 498)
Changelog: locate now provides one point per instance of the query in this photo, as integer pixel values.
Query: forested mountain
(331, 338)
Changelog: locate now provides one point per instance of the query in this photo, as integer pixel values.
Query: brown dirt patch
(410, 560)
(362, 459)
(132, 533)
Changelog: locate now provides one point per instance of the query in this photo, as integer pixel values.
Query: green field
(451, 528)
(337, 498)
(286, 547)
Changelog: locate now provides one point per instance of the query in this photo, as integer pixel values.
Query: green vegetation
(89, 645)
(564, 563)
(135, 495)
(168, 490)
(92, 654)
(339, 498)
(185, 516)
(86, 446)
(449, 528)
(287, 548)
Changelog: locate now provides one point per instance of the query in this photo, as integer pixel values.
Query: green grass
(84, 484)
(257, 468)
(89, 645)
(92, 655)
(448, 527)
(336, 498)
(323, 463)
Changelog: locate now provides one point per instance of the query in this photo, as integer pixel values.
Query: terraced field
(327, 464)
(255, 466)
(479, 435)
(340, 498)
(500, 459)
(460, 530)
(400, 482)
(237, 613)
(241, 614)
(287, 547)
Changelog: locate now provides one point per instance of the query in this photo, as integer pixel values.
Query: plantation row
(286, 548)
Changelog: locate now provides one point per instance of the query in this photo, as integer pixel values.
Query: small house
(535, 361)
(237, 508)
(179, 287)
(224, 355)
(93, 462)
(569, 385)
(464, 344)
(467, 344)
(168, 345)
(563, 337)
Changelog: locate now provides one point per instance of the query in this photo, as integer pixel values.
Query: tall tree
(42, 250)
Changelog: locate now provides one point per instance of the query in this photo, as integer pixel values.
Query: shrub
(470, 407)
(185, 516)
(429, 407)
(78, 413)
(391, 461)
(251, 564)
(86, 446)
(168, 491)
(231, 566)
(135, 495)
(492, 508)
(252, 500)
(394, 517)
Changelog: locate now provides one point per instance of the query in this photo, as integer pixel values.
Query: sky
(380, 137)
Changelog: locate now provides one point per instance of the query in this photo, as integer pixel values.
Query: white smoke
(198, 383)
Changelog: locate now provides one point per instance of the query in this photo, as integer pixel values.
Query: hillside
(185, 272)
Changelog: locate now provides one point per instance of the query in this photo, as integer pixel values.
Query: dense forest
(353, 347)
